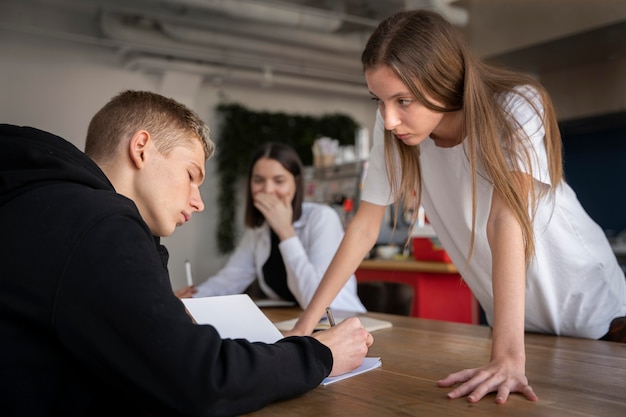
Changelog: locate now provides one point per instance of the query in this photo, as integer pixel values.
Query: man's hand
(348, 342)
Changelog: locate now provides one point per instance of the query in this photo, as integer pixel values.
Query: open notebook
(237, 317)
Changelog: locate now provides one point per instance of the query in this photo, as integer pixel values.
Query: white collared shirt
(306, 257)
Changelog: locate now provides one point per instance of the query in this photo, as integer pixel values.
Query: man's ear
(137, 148)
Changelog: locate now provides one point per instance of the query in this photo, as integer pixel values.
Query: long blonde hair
(431, 57)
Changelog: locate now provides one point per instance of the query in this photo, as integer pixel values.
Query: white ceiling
(314, 44)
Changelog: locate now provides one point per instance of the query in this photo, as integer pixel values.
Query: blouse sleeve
(238, 273)
(526, 108)
(376, 189)
(307, 257)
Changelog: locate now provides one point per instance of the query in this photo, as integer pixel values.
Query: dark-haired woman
(287, 244)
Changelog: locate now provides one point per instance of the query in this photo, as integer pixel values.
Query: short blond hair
(169, 123)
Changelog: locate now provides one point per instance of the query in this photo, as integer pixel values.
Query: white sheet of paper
(234, 317)
(367, 365)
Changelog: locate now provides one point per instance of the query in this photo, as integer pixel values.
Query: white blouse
(574, 285)
(306, 256)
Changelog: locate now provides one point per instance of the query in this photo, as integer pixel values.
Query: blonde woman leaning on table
(481, 148)
(287, 244)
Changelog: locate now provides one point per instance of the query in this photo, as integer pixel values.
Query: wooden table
(572, 377)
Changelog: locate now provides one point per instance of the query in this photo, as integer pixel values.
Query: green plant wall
(242, 131)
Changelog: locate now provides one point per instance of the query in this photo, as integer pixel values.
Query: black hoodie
(89, 324)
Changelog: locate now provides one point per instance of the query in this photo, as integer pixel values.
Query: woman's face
(270, 177)
(408, 119)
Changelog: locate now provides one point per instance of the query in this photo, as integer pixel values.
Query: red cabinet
(439, 291)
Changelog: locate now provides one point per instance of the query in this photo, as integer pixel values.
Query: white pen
(188, 270)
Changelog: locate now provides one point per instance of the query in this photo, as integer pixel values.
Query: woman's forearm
(360, 236)
(508, 281)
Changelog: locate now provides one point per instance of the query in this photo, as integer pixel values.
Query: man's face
(167, 191)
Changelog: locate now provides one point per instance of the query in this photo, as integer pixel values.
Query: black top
(274, 270)
(88, 318)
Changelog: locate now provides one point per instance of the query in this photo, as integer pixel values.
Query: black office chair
(386, 297)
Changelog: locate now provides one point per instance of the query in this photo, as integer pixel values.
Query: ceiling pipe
(274, 13)
(228, 76)
(349, 42)
(149, 41)
(267, 48)
(352, 42)
(199, 10)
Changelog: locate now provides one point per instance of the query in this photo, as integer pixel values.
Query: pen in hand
(329, 315)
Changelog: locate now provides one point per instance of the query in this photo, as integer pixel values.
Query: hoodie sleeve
(117, 315)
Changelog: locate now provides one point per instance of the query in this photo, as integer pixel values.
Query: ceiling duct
(147, 39)
(189, 35)
(241, 77)
(348, 42)
(276, 12)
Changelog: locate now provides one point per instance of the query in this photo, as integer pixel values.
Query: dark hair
(289, 159)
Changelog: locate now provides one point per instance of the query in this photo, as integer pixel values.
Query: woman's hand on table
(502, 377)
(349, 342)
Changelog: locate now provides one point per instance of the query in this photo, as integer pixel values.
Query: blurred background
(63, 59)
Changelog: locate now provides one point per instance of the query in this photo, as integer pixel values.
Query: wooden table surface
(572, 377)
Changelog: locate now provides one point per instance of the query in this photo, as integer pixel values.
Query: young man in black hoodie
(89, 322)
